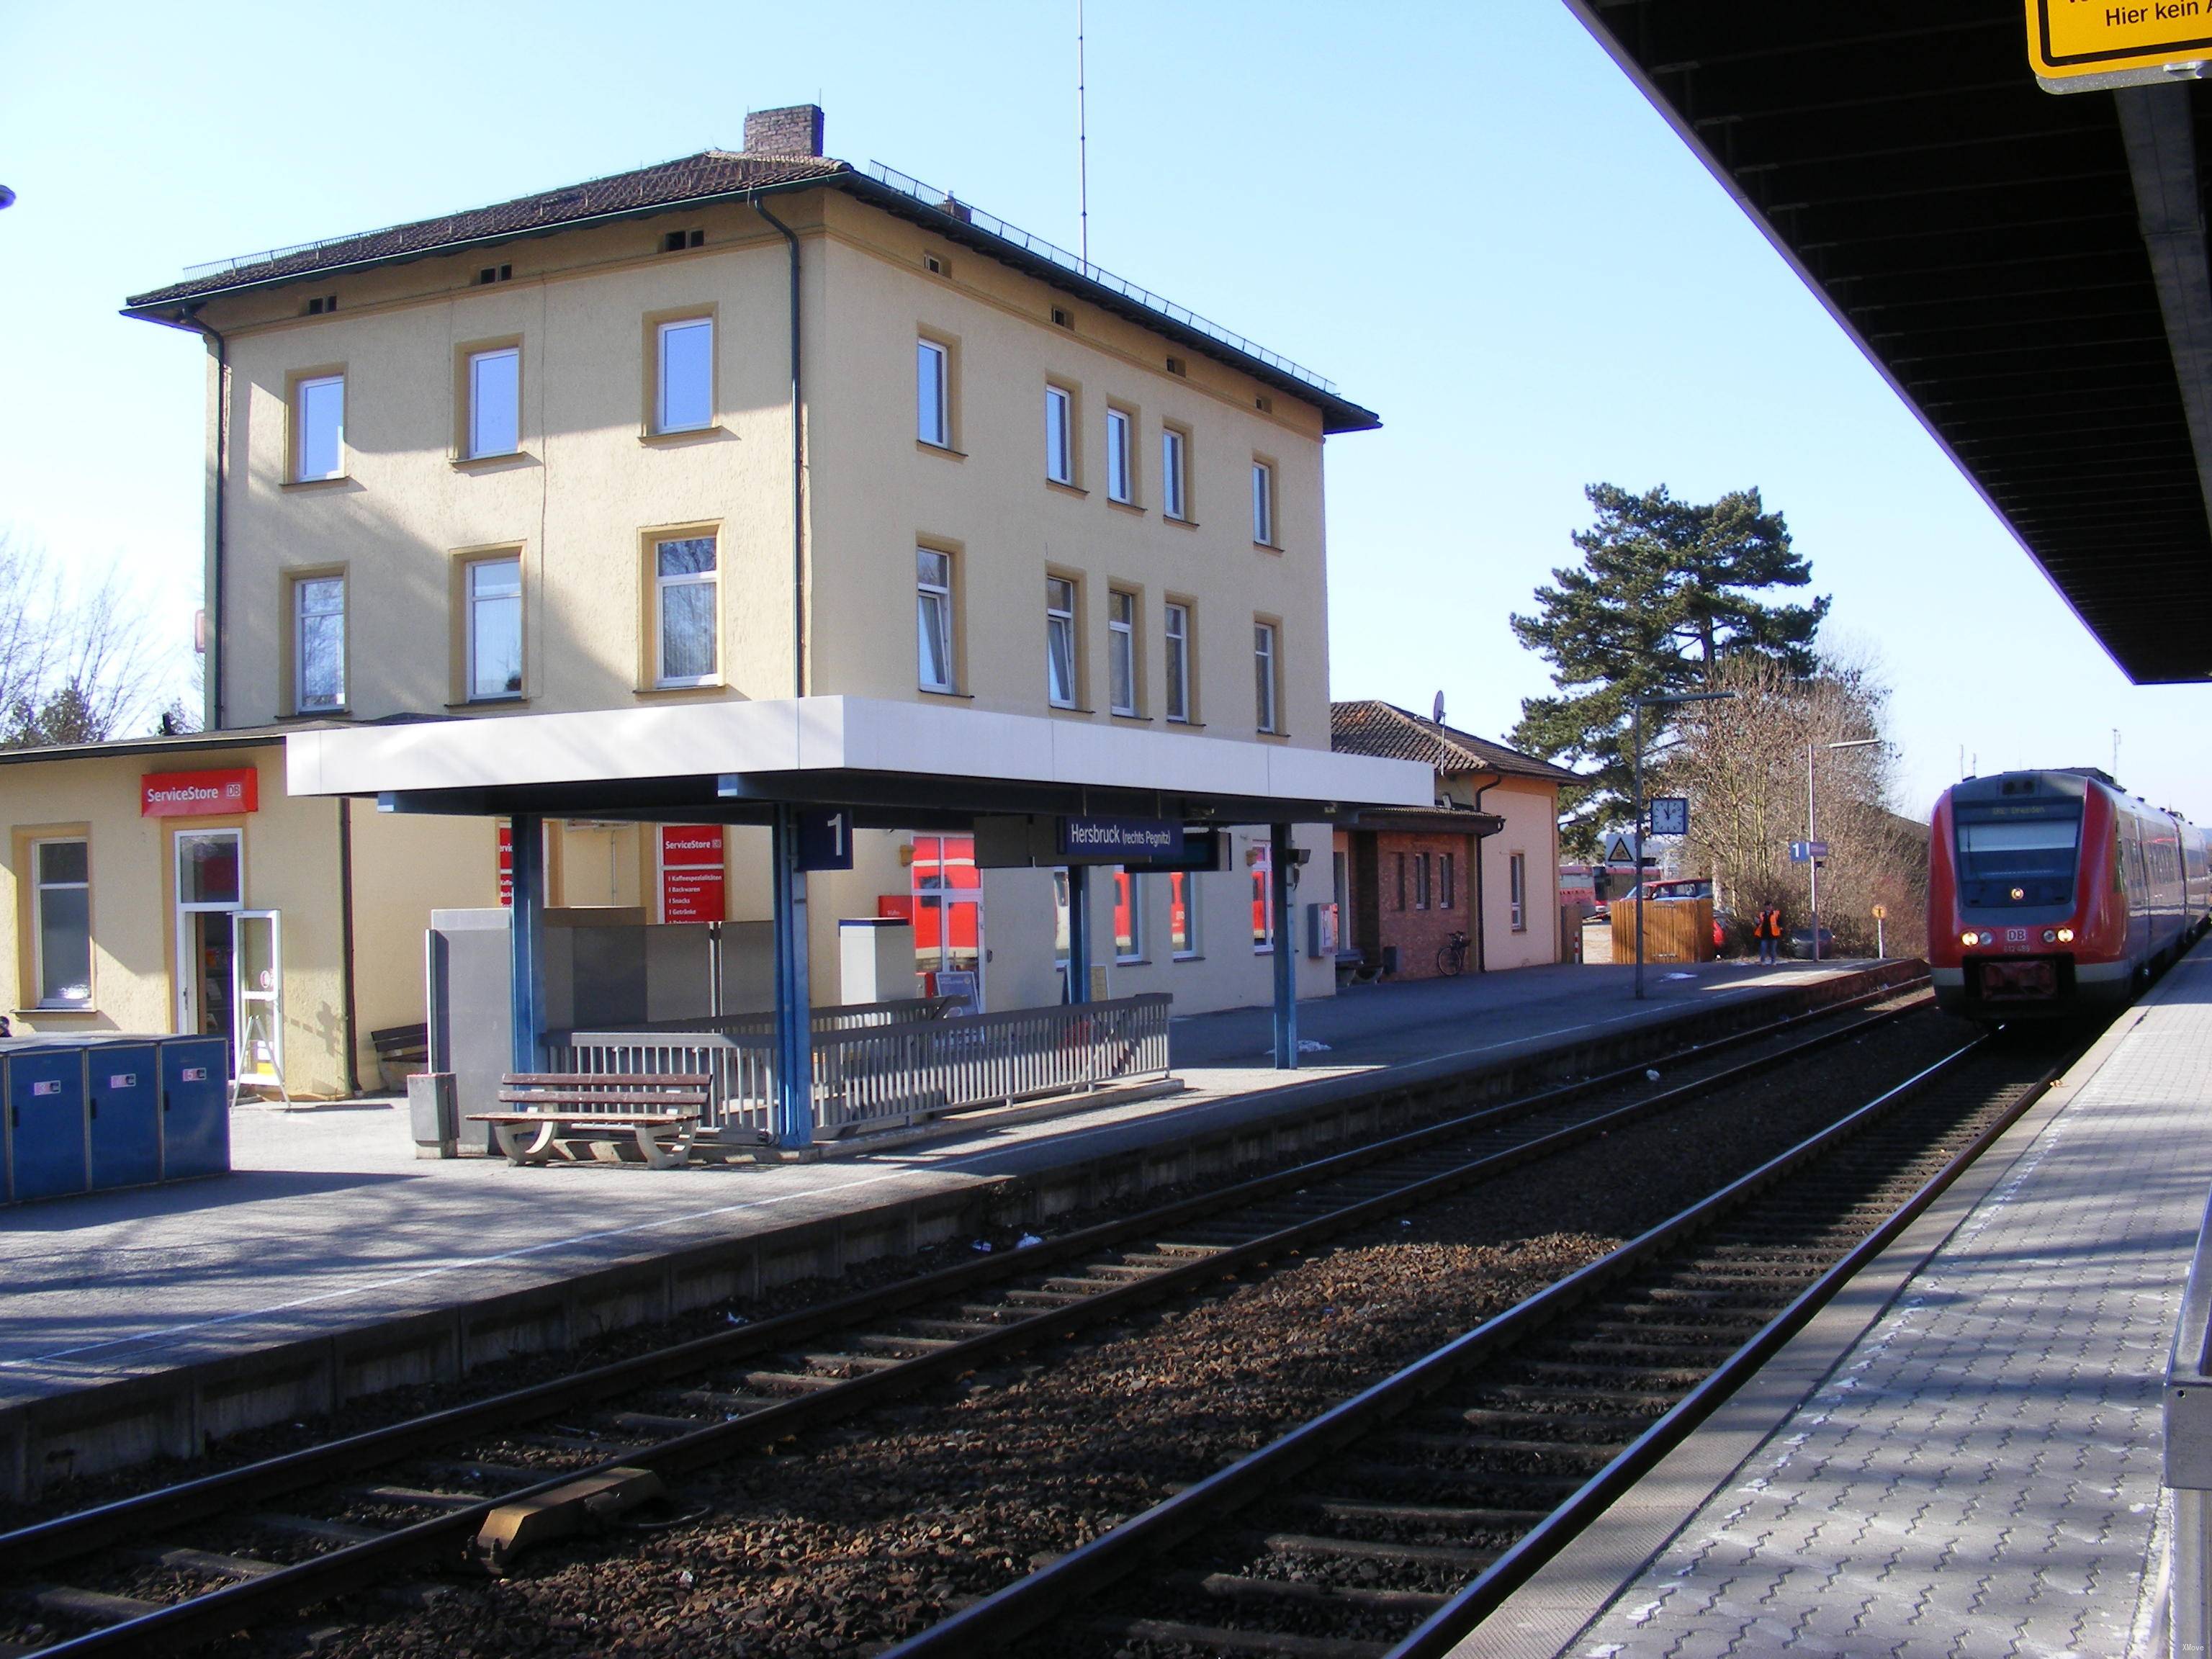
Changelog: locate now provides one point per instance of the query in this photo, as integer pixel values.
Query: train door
(948, 911)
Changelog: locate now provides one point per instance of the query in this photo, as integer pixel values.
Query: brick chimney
(795, 130)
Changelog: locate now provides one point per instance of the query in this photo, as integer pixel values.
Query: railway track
(238, 1549)
(1391, 1525)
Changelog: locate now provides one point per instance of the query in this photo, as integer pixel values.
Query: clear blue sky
(1460, 213)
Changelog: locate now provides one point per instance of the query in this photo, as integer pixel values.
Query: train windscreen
(2032, 857)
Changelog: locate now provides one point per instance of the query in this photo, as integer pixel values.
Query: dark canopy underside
(1981, 238)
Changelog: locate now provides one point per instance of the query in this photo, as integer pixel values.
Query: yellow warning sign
(2079, 45)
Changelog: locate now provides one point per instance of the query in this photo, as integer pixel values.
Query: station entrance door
(948, 915)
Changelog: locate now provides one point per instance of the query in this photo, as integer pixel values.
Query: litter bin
(123, 1100)
(45, 1120)
(195, 1107)
(434, 1109)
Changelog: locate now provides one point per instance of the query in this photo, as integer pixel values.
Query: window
(1174, 497)
(1182, 912)
(686, 399)
(1178, 663)
(1263, 670)
(1516, 887)
(1060, 640)
(1059, 436)
(932, 585)
(493, 598)
(932, 385)
(1122, 650)
(1263, 503)
(319, 428)
(1128, 916)
(1420, 881)
(61, 894)
(1121, 484)
(1447, 888)
(495, 402)
(686, 603)
(319, 644)
(1263, 908)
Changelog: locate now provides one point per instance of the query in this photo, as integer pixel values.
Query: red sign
(693, 877)
(506, 865)
(199, 794)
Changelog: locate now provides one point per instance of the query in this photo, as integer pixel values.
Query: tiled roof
(1383, 729)
(719, 174)
(711, 173)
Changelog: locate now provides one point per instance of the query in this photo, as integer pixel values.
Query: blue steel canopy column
(1079, 933)
(794, 1035)
(526, 942)
(1286, 961)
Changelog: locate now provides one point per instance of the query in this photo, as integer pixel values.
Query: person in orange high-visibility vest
(1767, 930)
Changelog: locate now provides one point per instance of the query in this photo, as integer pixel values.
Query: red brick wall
(1420, 934)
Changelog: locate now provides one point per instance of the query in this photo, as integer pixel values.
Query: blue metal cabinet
(195, 1108)
(123, 1096)
(46, 1122)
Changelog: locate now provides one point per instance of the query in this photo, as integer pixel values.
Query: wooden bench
(658, 1111)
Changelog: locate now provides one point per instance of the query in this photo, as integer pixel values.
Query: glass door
(258, 998)
(948, 915)
(210, 890)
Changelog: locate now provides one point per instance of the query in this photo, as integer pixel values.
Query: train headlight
(1969, 939)
(2051, 936)
(2019, 893)
(2066, 936)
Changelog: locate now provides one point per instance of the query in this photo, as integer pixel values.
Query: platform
(1961, 1454)
(330, 1229)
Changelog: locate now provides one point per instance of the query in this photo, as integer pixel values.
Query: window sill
(514, 458)
(705, 688)
(1267, 547)
(1188, 725)
(1070, 709)
(1273, 736)
(315, 715)
(1065, 488)
(1133, 962)
(1132, 507)
(690, 434)
(517, 699)
(945, 450)
(1188, 956)
(72, 1012)
(343, 480)
(1180, 524)
(945, 691)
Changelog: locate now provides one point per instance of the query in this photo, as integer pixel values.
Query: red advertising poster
(506, 865)
(693, 876)
(198, 794)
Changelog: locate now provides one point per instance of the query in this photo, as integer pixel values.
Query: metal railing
(845, 1017)
(945, 202)
(879, 1075)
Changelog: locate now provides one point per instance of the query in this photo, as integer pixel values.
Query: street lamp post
(1813, 833)
(1637, 706)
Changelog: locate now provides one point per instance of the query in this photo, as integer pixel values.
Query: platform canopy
(2029, 271)
(893, 765)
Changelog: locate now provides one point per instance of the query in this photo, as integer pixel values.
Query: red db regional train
(2053, 893)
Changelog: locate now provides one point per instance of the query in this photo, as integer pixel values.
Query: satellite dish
(1437, 709)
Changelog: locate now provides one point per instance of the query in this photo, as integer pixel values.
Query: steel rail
(1028, 1603)
(221, 1611)
(1443, 1630)
(65, 1536)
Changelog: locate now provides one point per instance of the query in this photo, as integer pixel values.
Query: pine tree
(1666, 590)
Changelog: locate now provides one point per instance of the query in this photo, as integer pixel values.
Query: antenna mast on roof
(1082, 147)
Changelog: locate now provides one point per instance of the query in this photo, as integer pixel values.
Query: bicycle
(1451, 955)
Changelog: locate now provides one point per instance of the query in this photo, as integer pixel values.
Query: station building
(1482, 860)
(745, 426)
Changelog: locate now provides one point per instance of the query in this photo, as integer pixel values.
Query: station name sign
(199, 794)
(1117, 840)
(2087, 46)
